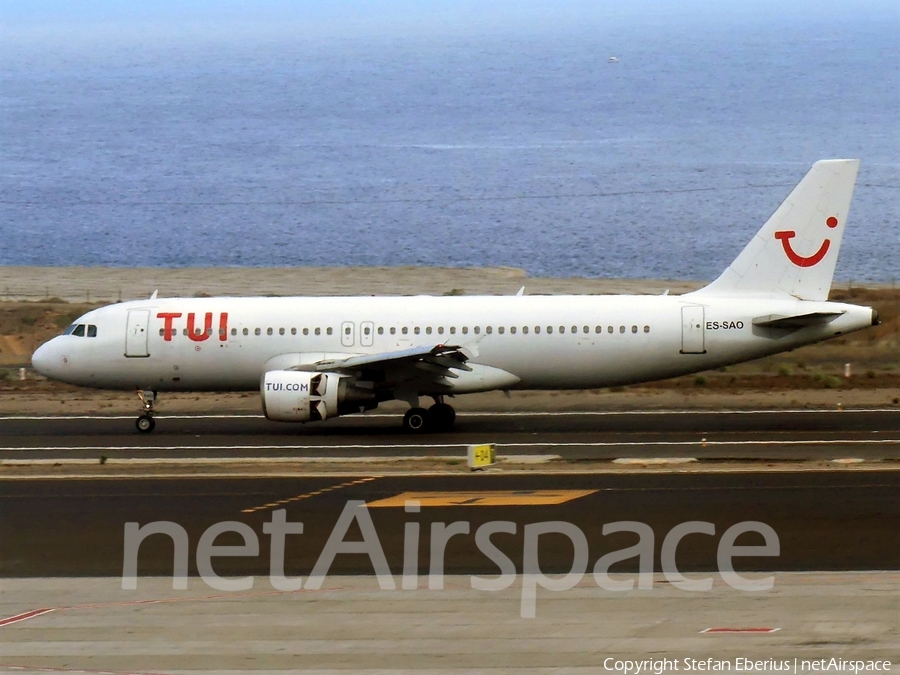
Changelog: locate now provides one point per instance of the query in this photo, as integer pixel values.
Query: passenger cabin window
(281, 331)
(293, 331)
(329, 331)
(646, 329)
(246, 331)
(318, 331)
(258, 331)
(306, 331)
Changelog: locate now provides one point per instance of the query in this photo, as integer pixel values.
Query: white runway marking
(535, 413)
(462, 446)
(245, 460)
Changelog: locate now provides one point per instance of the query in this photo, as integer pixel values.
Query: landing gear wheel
(416, 420)
(442, 416)
(145, 424)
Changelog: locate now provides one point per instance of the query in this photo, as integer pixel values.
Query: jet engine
(298, 396)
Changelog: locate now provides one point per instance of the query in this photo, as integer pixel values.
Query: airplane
(314, 358)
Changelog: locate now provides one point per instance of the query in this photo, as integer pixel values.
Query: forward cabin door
(136, 333)
(692, 325)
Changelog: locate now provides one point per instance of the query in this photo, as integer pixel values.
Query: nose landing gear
(145, 423)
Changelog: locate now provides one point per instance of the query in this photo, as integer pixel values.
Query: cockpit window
(81, 330)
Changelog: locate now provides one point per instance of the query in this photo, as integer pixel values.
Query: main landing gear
(439, 417)
(145, 423)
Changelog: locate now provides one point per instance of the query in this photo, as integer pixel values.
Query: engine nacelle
(298, 396)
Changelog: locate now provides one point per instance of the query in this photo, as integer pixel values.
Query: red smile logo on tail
(801, 261)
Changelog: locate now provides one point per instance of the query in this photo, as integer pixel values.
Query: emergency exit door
(692, 325)
(136, 333)
(367, 334)
(348, 334)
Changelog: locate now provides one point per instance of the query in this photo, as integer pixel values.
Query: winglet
(795, 252)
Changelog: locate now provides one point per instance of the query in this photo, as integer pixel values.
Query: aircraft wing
(432, 361)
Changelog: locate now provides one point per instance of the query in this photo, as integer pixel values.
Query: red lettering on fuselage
(223, 326)
(192, 331)
(195, 335)
(167, 317)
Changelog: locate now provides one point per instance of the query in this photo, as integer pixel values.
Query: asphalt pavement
(823, 521)
(745, 435)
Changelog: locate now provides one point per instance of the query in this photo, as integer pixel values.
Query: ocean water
(525, 149)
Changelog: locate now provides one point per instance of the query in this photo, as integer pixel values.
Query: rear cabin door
(692, 324)
(136, 333)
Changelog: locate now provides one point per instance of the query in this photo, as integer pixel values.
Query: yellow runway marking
(307, 495)
(485, 498)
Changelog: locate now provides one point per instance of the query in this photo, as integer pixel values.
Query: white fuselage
(521, 342)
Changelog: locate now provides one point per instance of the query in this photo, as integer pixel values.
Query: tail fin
(796, 250)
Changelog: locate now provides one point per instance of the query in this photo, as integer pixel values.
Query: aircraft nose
(44, 359)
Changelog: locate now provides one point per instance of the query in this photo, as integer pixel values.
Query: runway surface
(777, 435)
(823, 521)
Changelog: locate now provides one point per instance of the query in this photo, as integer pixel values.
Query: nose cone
(44, 359)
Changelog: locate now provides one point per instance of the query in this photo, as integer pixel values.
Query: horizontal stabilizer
(797, 321)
